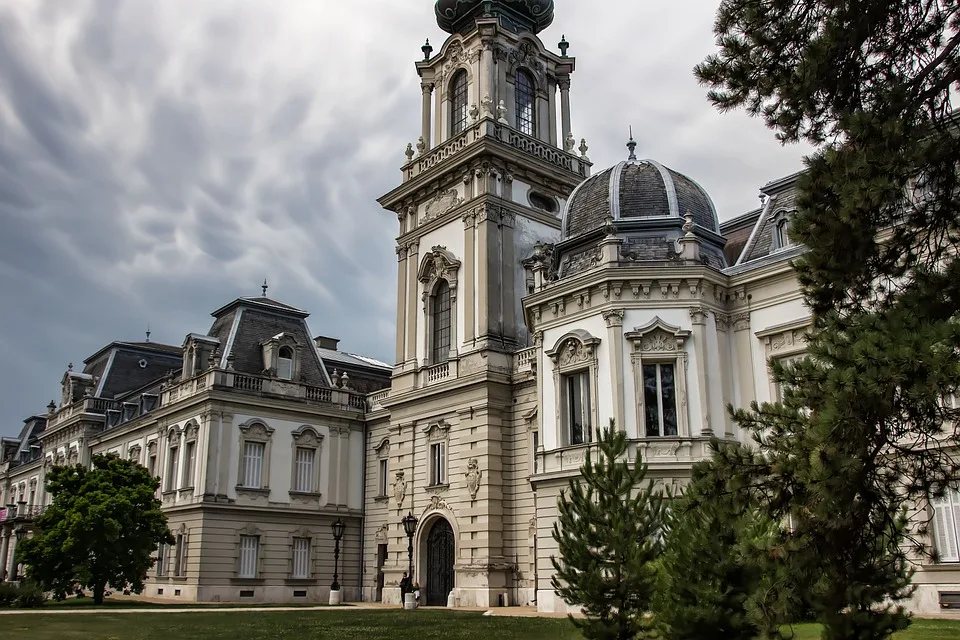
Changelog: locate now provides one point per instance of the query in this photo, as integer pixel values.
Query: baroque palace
(536, 299)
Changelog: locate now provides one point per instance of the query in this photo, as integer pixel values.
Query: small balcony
(20, 513)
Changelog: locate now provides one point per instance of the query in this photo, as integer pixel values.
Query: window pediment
(256, 430)
(657, 336)
(307, 436)
(575, 348)
(439, 263)
(437, 430)
(383, 448)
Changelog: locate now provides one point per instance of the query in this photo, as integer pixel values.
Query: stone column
(742, 342)
(564, 83)
(552, 112)
(413, 254)
(469, 279)
(488, 293)
(401, 304)
(488, 82)
(699, 317)
(4, 551)
(614, 320)
(427, 88)
(726, 364)
(11, 563)
(509, 300)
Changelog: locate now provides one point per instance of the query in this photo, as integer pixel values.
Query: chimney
(324, 342)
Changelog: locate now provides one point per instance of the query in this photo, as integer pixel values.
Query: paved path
(360, 606)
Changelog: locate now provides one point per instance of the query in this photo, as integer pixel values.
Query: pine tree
(100, 529)
(609, 533)
(709, 569)
(864, 431)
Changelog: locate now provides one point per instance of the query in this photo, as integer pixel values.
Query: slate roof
(260, 301)
(131, 367)
(737, 232)
(781, 196)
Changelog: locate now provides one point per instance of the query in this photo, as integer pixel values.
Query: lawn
(343, 624)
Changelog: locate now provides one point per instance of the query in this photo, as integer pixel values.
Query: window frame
(951, 518)
(574, 353)
(285, 362)
(304, 563)
(180, 555)
(459, 101)
(306, 438)
(658, 343)
(440, 298)
(438, 464)
(527, 93)
(438, 435)
(780, 232)
(661, 401)
(243, 563)
(255, 431)
(582, 378)
(436, 266)
(163, 560)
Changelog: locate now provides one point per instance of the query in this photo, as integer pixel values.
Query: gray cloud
(160, 159)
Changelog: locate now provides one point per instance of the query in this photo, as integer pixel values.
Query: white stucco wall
(450, 236)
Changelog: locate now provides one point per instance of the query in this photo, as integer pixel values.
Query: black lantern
(338, 528)
(410, 527)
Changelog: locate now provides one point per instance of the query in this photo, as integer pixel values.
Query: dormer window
(285, 363)
(458, 103)
(526, 104)
(783, 240)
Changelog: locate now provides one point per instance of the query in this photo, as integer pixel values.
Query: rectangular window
(437, 462)
(301, 558)
(152, 465)
(180, 562)
(946, 526)
(252, 464)
(304, 470)
(382, 480)
(576, 407)
(536, 446)
(659, 400)
(173, 468)
(191, 461)
(249, 552)
(284, 368)
(162, 560)
(440, 340)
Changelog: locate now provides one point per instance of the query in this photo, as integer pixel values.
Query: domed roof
(521, 15)
(636, 190)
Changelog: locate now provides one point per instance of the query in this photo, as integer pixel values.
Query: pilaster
(614, 321)
(726, 365)
(699, 317)
(413, 254)
(401, 304)
(469, 279)
(741, 329)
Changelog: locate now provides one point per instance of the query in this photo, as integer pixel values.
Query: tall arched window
(783, 240)
(440, 323)
(526, 104)
(285, 363)
(458, 103)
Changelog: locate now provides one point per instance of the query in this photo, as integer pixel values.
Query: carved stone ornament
(575, 352)
(658, 341)
(437, 430)
(574, 348)
(436, 504)
(657, 336)
(134, 453)
(456, 55)
(399, 489)
(382, 533)
(473, 475)
(442, 202)
(527, 55)
(439, 263)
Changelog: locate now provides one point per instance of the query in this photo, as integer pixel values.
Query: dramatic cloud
(158, 159)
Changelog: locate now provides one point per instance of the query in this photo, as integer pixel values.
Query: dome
(534, 16)
(636, 190)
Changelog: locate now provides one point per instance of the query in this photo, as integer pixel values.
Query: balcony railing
(21, 512)
(80, 407)
(375, 399)
(525, 359)
(490, 129)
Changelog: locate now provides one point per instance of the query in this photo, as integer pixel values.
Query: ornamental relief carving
(658, 341)
(439, 263)
(473, 476)
(442, 202)
(437, 430)
(399, 489)
(456, 56)
(528, 56)
(382, 533)
(575, 352)
(436, 504)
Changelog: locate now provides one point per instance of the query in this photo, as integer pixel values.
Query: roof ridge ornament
(264, 287)
(632, 146)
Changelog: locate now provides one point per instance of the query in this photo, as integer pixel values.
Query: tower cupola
(458, 16)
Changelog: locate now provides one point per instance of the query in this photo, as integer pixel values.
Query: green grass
(342, 624)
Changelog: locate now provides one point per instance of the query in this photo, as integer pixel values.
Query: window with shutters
(458, 103)
(438, 462)
(526, 103)
(306, 460)
(255, 447)
(249, 556)
(946, 526)
(301, 558)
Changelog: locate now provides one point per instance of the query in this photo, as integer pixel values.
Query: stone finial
(632, 146)
(264, 287)
(335, 378)
(486, 107)
(148, 332)
(502, 113)
(51, 408)
(230, 357)
(474, 113)
(409, 152)
(69, 366)
(563, 45)
(569, 143)
(345, 381)
(427, 50)
(688, 224)
(583, 150)
(421, 146)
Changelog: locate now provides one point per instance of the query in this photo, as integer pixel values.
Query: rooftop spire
(632, 145)
(148, 332)
(264, 287)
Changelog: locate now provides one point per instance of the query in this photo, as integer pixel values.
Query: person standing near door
(404, 587)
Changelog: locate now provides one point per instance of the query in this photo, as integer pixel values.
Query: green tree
(100, 529)
(710, 567)
(862, 433)
(609, 533)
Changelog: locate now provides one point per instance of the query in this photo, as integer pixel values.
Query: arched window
(783, 240)
(285, 363)
(440, 323)
(526, 104)
(458, 103)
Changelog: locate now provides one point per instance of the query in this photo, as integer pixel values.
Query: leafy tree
(100, 529)
(861, 435)
(609, 536)
(710, 567)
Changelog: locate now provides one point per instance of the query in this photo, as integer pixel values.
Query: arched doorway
(441, 551)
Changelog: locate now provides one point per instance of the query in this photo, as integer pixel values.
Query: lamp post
(410, 527)
(338, 528)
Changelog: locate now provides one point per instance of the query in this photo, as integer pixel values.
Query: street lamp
(338, 528)
(410, 527)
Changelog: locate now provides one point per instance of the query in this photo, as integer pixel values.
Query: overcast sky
(159, 159)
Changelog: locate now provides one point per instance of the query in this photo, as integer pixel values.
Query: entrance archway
(441, 551)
